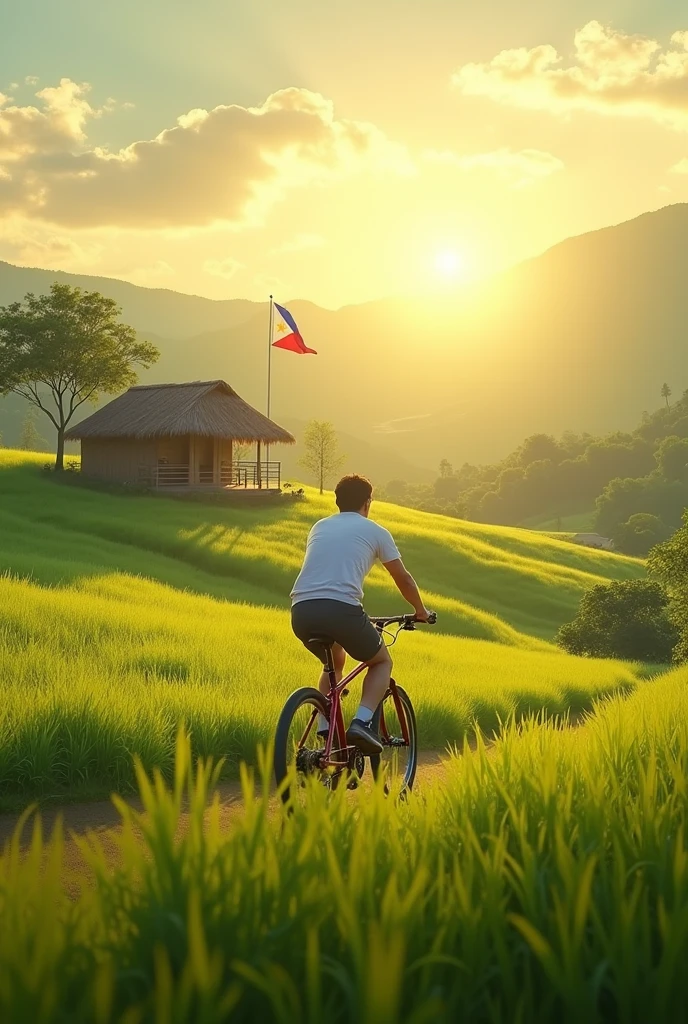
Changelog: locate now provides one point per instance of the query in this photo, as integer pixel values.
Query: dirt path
(100, 818)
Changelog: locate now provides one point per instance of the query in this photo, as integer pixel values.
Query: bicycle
(327, 756)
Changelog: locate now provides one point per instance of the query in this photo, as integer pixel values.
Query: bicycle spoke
(396, 727)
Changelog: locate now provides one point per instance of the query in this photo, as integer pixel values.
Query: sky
(337, 152)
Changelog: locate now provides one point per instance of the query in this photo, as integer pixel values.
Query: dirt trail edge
(101, 818)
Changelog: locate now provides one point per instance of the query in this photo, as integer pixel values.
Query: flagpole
(272, 313)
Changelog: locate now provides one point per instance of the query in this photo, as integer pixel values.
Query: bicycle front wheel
(395, 723)
(298, 748)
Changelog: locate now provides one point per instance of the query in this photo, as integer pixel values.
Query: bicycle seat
(321, 641)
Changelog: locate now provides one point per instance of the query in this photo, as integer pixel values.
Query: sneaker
(361, 735)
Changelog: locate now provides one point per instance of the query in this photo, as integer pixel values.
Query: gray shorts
(346, 624)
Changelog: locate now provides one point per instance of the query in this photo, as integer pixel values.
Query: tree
(240, 451)
(539, 447)
(627, 619)
(321, 455)
(396, 491)
(672, 458)
(63, 349)
(30, 440)
(668, 563)
(639, 534)
(665, 393)
(446, 469)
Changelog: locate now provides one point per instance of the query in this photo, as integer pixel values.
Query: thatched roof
(205, 408)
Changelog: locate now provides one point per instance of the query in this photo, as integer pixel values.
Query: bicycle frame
(337, 718)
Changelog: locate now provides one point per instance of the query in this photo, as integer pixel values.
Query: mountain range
(581, 337)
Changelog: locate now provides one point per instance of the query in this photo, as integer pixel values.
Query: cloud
(518, 167)
(681, 167)
(37, 245)
(612, 73)
(223, 268)
(229, 164)
(298, 244)
(67, 109)
(36, 140)
(402, 425)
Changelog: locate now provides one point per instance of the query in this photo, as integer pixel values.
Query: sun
(450, 264)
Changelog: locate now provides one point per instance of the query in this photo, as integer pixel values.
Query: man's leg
(376, 682)
(375, 687)
(339, 659)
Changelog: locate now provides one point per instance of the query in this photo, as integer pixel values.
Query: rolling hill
(581, 337)
(121, 616)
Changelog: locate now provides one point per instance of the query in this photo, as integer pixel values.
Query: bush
(669, 563)
(639, 534)
(626, 619)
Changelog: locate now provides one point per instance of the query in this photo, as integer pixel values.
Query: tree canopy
(668, 563)
(621, 476)
(63, 349)
(627, 619)
(321, 455)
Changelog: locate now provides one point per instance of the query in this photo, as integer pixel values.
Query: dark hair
(352, 492)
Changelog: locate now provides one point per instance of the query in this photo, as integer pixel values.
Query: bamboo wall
(132, 461)
(119, 460)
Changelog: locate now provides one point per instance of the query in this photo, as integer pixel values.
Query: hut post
(258, 471)
(217, 461)
(193, 461)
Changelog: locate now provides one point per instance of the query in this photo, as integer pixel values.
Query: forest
(633, 485)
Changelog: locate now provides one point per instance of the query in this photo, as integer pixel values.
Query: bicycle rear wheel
(395, 723)
(298, 748)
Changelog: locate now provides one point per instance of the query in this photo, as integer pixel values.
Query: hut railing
(165, 475)
(263, 475)
(247, 475)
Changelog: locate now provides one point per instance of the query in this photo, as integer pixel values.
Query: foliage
(241, 451)
(321, 455)
(639, 534)
(69, 344)
(643, 472)
(120, 616)
(669, 564)
(545, 879)
(626, 619)
(30, 440)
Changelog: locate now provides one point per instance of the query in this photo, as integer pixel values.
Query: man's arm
(407, 587)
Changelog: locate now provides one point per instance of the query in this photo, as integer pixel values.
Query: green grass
(576, 522)
(544, 880)
(121, 616)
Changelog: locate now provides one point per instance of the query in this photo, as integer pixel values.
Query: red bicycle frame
(336, 718)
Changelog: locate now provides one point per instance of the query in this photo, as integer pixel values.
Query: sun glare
(449, 263)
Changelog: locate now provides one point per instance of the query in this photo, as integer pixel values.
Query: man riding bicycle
(326, 599)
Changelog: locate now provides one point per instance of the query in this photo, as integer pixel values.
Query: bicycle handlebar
(405, 621)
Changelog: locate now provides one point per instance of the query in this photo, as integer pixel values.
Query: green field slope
(546, 879)
(121, 615)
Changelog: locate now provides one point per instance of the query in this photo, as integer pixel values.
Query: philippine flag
(285, 333)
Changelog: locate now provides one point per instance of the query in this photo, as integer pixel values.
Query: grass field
(545, 881)
(120, 616)
(576, 522)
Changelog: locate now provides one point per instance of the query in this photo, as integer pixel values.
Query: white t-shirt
(340, 552)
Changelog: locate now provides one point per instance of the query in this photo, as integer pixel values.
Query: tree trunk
(59, 458)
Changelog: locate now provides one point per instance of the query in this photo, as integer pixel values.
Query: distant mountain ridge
(581, 337)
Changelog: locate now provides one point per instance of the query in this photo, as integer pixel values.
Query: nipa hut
(179, 436)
